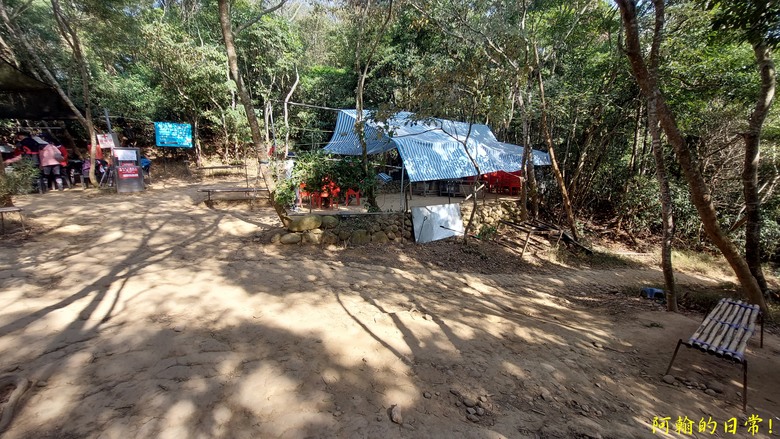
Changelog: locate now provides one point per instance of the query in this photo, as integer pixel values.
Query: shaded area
(24, 97)
(153, 316)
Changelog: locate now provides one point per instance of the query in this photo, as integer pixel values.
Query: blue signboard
(174, 135)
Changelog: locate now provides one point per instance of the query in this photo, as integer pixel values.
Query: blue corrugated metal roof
(431, 149)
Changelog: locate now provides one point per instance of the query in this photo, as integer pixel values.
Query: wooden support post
(673, 357)
(744, 385)
(527, 238)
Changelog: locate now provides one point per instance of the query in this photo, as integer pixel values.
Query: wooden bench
(244, 190)
(221, 167)
(724, 332)
(12, 209)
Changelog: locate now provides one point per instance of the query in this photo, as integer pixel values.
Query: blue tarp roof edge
(430, 149)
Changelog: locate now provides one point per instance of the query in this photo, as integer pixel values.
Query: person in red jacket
(64, 170)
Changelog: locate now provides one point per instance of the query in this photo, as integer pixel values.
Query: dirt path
(153, 316)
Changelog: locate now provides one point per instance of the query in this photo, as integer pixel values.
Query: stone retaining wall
(490, 215)
(381, 228)
(356, 230)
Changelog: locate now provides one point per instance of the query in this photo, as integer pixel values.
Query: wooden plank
(702, 332)
(729, 346)
(724, 328)
(740, 350)
(729, 334)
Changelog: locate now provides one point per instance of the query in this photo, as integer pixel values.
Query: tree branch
(259, 17)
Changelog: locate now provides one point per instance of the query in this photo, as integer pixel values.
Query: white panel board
(440, 221)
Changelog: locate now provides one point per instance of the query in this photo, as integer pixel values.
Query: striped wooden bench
(724, 332)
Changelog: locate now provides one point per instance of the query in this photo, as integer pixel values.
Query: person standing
(26, 147)
(65, 170)
(51, 159)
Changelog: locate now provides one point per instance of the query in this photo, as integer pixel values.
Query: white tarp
(432, 223)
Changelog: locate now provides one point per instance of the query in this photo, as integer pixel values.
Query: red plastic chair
(330, 191)
(352, 193)
(303, 194)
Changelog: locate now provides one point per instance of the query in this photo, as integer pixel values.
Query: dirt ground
(153, 315)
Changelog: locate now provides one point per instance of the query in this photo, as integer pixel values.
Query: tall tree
(226, 25)
(66, 23)
(66, 26)
(667, 220)
(700, 193)
(757, 23)
(372, 19)
(551, 149)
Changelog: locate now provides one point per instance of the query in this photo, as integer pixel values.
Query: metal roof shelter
(431, 149)
(24, 97)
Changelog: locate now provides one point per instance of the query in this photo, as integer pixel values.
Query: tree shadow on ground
(182, 330)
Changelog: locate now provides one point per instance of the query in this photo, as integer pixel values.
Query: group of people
(48, 154)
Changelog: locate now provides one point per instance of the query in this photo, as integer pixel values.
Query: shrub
(19, 178)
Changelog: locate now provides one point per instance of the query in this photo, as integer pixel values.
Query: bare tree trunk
(196, 139)
(287, 115)
(246, 101)
(666, 208)
(235, 73)
(551, 151)
(474, 203)
(528, 161)
(750, 169)
(700, 194)
(525, 161)
(364, 11)
(360, 130)
(267, 119)
(71, 36)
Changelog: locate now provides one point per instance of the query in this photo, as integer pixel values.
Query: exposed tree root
(20, 386)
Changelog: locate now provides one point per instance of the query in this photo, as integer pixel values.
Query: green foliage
(687, 225)
(285, 192)
(471, 61)
(19, 178)
(752, 21)
(348, 173)
(487, 233)
(640, 206)
(327, 87)
(313, 168)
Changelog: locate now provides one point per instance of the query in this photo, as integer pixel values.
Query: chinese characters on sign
(125, 172)
(683, 425)
(106, 141)
(174, 135)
